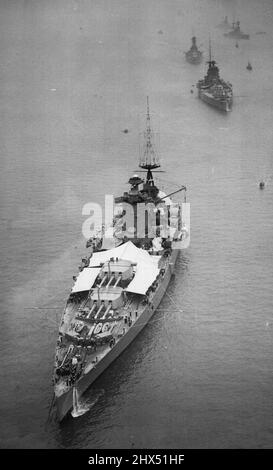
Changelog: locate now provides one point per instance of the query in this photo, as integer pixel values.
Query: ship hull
(236, 36)
(64, 403)
(222, 105)
(194, 60)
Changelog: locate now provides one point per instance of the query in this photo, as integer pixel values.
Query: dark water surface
(74, 74)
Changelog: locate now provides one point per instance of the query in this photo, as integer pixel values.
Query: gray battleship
(249, 66)
(213, 90)
(120, 284)
(193, 55)
(236, 32)
(224, 24)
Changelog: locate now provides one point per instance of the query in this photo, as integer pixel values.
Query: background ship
(194, 56)
(213, 90)
(118, 289)
(249, 66)
(224, 24)
(236, 32)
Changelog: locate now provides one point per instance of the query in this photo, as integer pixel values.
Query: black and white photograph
(136, 229)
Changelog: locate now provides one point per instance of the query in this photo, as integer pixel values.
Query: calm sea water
(74, 74)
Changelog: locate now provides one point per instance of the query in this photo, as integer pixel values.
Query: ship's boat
(118, 289)
(249, 66)
(213, 90)
(194, 55)
(236, 32)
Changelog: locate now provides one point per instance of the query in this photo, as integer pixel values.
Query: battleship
(224, 24)
(213, 90)
(194, 56)
(121, 282)
(249, 66)
(236, 32)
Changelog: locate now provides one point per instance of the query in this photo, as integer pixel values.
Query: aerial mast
(211, 61)
(149, 160)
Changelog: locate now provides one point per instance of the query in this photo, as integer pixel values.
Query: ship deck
(125, 320)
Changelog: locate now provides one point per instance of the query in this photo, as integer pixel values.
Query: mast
(149, 160)
(193, 39)
(211, 61)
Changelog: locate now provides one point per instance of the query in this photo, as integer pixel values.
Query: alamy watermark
(139, 221)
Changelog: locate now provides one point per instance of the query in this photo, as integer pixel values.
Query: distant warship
(194, 56)
(224, 24)
(249, 66)
(236, 32)
(213, 90)
(118, 289)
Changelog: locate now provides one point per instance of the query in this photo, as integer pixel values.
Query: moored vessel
(119, 288)
(213, 90)
(224, 24)
(236, 32)
(194, 55)
(249, 66)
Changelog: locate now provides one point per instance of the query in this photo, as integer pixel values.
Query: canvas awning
(155, 259)
(85, 279)
(144, 278)
(126, 251)
(146, 265)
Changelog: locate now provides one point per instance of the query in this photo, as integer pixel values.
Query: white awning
(144, 277)
(146, 265)
(126, 251)
(155, 259)
(85, 279)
